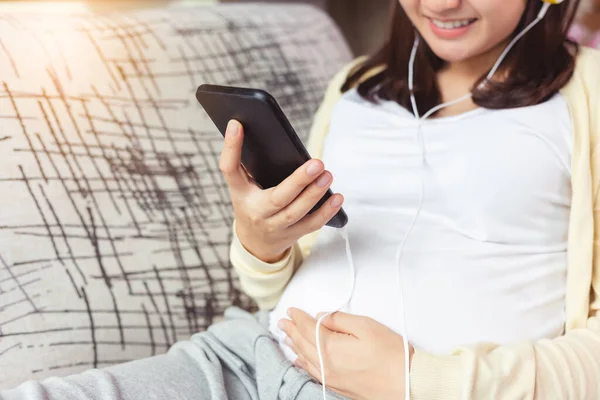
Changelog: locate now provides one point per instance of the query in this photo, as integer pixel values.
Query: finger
(342, 322)
(302, 347)
(320, 217)
(309, 367)
(306, 326)
(284, 193)
(230, 161)
(301, 361)
(302, 204)
(314, 371)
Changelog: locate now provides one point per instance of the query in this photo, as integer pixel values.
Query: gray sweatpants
(235, 359)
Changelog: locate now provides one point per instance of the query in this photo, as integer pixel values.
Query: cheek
(500, 20)
(410, 8)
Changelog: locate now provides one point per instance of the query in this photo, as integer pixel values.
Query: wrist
(267, 256)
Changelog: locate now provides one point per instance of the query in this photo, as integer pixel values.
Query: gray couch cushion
(114, 220)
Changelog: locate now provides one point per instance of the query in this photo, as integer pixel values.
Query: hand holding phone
(288, 194)
(269, 221)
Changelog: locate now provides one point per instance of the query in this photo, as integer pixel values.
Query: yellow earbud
(546, 6)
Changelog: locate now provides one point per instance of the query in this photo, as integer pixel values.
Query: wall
(363, 22)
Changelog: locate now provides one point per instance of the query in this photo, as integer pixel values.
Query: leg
(235, 359)
(191, 370)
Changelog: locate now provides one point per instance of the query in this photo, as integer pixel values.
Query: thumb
(343, 323)
(230, 161)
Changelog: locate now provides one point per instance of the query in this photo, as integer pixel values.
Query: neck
(458, 78)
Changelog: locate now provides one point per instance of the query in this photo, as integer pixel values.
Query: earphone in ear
(546, 6)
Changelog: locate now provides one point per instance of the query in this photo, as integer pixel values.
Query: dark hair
(539, 64)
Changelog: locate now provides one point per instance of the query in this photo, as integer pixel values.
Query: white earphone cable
(398, 269)
(344, 233)
(539, 17)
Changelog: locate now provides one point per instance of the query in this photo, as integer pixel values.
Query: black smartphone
(272, 150)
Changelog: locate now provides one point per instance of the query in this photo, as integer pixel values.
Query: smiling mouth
(455, 24)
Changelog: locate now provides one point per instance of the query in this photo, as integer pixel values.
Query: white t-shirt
(487, 258)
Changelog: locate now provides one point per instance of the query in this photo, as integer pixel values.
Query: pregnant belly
(451, 298)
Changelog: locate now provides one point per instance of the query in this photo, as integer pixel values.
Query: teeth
(452, 24)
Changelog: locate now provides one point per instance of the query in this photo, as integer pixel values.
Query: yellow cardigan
(564, 368)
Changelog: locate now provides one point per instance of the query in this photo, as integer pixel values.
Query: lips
(451, 29)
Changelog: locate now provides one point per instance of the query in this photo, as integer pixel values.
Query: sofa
(115, 221)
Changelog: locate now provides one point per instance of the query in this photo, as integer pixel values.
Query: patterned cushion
(114, 220)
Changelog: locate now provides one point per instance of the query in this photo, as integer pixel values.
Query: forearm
(263, 282)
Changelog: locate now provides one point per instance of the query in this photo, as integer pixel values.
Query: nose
(440, 6)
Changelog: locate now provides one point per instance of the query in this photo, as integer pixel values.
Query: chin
(452, 54)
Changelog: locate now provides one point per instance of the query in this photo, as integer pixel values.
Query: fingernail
(289, 312)
(281, 324)
(233, 128)
(323, 180)
(313, 168)
(337, 201)
(288, 342)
